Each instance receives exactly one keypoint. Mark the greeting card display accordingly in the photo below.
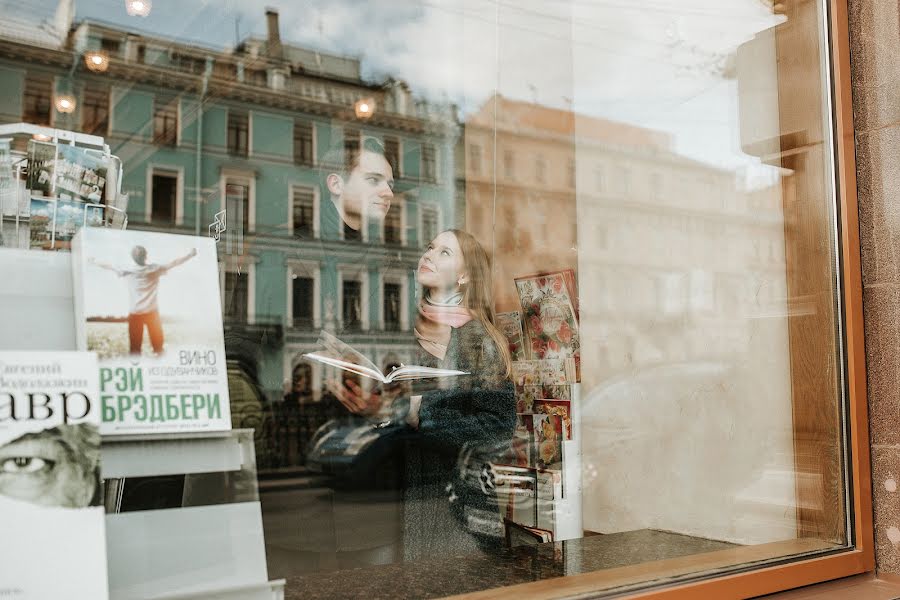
(549, 307)
(560, 408)
(548, 438)
(510, 323)
(80, 174)
(41, 163)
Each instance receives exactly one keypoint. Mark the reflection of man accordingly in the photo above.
(53, 467)
(143, 288)
(363, 185)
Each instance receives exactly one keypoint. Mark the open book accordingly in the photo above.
(338, 354)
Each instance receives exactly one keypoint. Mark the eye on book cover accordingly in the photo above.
(51, 512)
(148, 304)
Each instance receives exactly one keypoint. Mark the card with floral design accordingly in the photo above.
(510, 323)
(550, 317)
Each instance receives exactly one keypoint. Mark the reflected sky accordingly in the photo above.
(662, 64)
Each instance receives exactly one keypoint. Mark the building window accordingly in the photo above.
(352, 139)
(351, 309)
(429, 225)
(164, 198)
(238, 132)
(95, 111)
(302, 301)
(475, 159)
(392, 303)
(303, 202)
(540, 169)
(570, 173)
(625, 180)
(165, 122)
(303, 143)
(600, 178)
(656, 186)
(237, 296)
(429, 162)
(189, 64)
(509, 164)
(110, 46)
(36, 100)
(237, 207)
(392, 154)
(393, 226)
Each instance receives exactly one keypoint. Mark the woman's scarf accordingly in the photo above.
(449, 312)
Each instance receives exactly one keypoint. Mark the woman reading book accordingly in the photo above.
(455, 330)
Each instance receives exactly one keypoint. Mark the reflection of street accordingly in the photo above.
(310, 527)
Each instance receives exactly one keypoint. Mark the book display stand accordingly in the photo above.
(211, 547)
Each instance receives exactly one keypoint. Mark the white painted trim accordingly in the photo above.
(239, 177)
(178, 121)
(250, 269)
(154, 168)
(304, 267)
(399, 277)
(316, 207)
(353, 273)
(249, 133)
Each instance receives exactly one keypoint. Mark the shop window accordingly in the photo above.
(165, 121)
(303, 142)
(238, 132)
(37, 100)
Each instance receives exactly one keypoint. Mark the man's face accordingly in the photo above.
(369, 187)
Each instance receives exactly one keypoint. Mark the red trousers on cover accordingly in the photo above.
(136, 323)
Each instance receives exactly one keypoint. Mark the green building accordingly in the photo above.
(246, 131)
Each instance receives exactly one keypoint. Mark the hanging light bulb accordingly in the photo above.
(138, 8)
(41, 137)
(65, 103)
(364, 108)
(96, 60)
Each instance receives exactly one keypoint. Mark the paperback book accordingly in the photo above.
(51, 511)
(336, 353)
(549, 308)
(148, 304)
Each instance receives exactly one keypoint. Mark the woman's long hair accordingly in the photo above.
(478, 295)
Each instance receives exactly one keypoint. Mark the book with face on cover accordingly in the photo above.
(149, 305)
(336, 353)
(550, 314)
(51, 511)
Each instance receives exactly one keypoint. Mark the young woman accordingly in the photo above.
(445, 513)
(474, 413)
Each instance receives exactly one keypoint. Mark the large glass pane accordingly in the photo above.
(610, 224)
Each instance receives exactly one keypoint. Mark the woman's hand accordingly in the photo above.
(354, 398)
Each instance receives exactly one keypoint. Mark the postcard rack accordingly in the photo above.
(213, 548)
(16, 205)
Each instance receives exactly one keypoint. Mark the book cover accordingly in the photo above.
(550, 391)
(41, 222)
(542, 372)
(560, 408)
(51, 511)
(41, 162)
(80, 174)
(551, 320)
(510, 323)
(149, 305)
(521, 535)
(548, 438)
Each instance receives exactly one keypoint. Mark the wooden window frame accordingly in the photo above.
(736, 579)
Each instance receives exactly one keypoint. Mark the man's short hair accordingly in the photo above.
(341, 160)
(139, 254)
